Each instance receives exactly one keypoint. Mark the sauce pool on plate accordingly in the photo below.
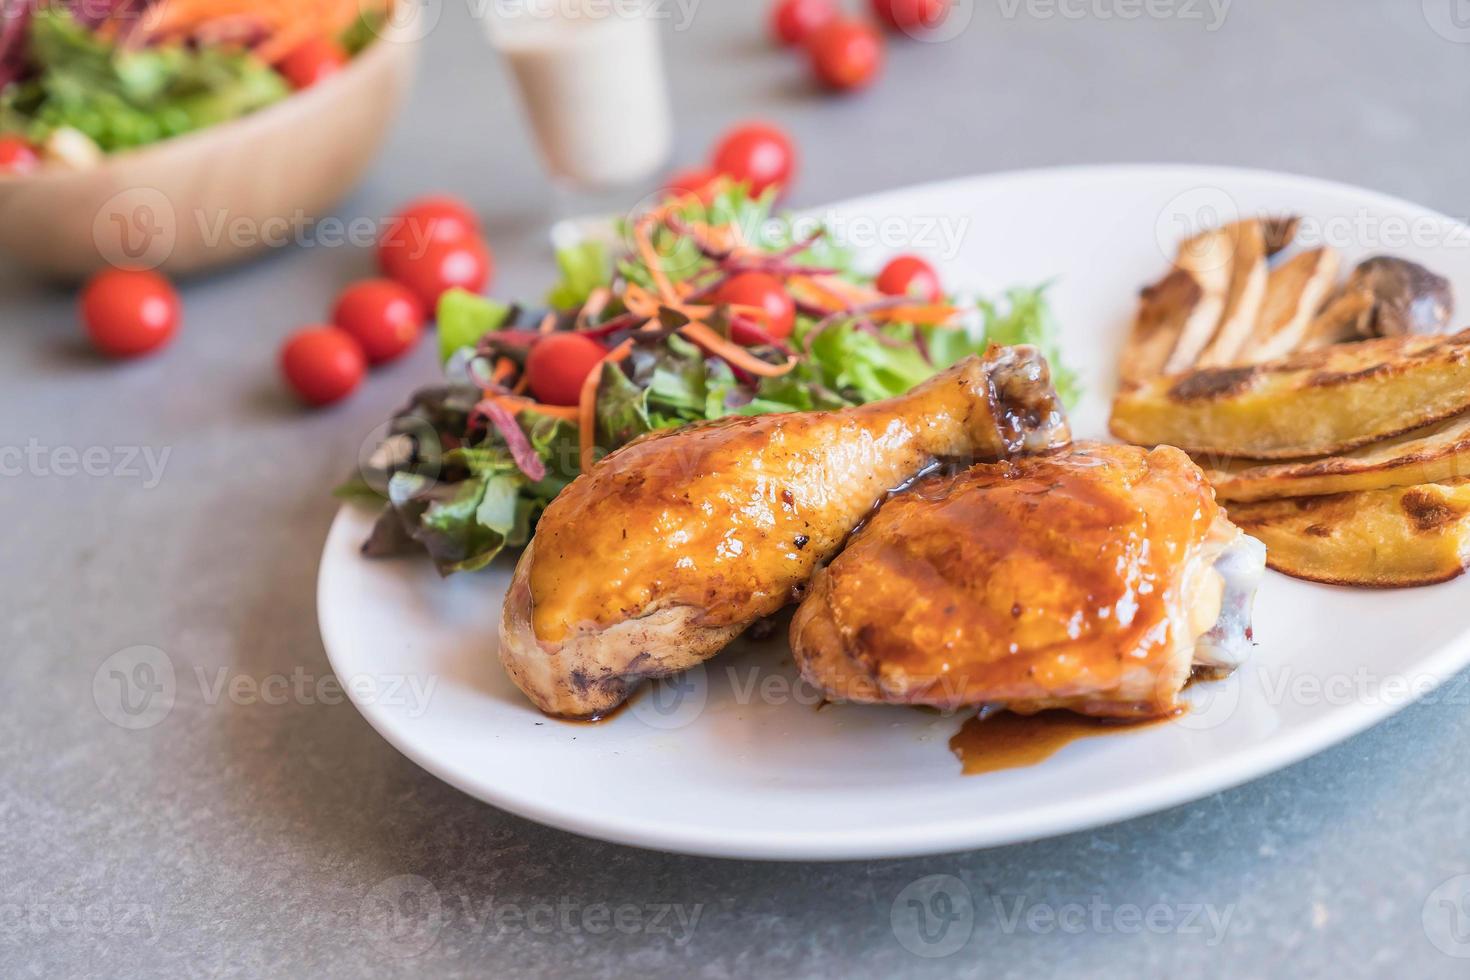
(992, 741)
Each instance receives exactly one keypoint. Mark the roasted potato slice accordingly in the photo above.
(1383, 539)
(1312, 403)
(1248, 277)
(1295, 291)
(1433, 454)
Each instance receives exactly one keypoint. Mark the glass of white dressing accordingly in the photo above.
(591, 78)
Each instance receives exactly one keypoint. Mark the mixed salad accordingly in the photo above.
(711, 307)
(79, 78)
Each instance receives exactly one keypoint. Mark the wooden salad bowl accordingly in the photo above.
(217, 196)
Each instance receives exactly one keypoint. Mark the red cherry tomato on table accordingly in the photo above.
(846, 54)
(419, 223)
(129, 312)
(764, 292)
(912, 16)
(463, 264)
(383, 316)
(792, 21)
(311, 61)
(909, 275)
(757, 154)
(322, 364)
(558, 365)
(17, 156)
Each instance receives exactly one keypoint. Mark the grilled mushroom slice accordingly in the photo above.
(1295, 291)
(1209, 258)
(1385, 297)
(1280, 231)
(1243, 302)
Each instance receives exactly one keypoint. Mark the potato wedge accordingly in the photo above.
(1432, 454)
(1248, 278)
(1312, 403)
(1403, 536)
(1209, 259)
(1295, 291)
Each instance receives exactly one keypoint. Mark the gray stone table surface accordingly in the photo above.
(239, 839)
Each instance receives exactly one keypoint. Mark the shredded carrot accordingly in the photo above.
(284, 25)
(936, 314)
(504, 368)
(844, 293)
(639, 301)
(737, 356)
(515, 405)
(806, 289)
(644, 243)
(587, 406)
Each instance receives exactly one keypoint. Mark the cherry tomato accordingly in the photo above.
(692, 181)
(792, 21)
(322, 364)
(465, 264)
(909, 275)
(311, 61)
(912, 16)
(757, 154)
(129, 312)
(383, 316)
(424, 221)
(846, 54)
(558, 365)
(17, 156)
(764, 292)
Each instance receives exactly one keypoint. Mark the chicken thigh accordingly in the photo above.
(666, 550)
(1096, 579)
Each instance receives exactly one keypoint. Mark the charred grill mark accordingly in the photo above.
(1428, 512)
(1332, 379)
(1214, 383)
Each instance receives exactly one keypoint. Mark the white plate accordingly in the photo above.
(741, 764)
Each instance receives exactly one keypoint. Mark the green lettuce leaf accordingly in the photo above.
(584, 267)
(464, 317)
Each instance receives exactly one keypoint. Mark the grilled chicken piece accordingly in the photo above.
(667, 549)
(1094, 579)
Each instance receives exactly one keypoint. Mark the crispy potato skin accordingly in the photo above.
(1382, 539)
(1434, 454)
(1309, 404)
